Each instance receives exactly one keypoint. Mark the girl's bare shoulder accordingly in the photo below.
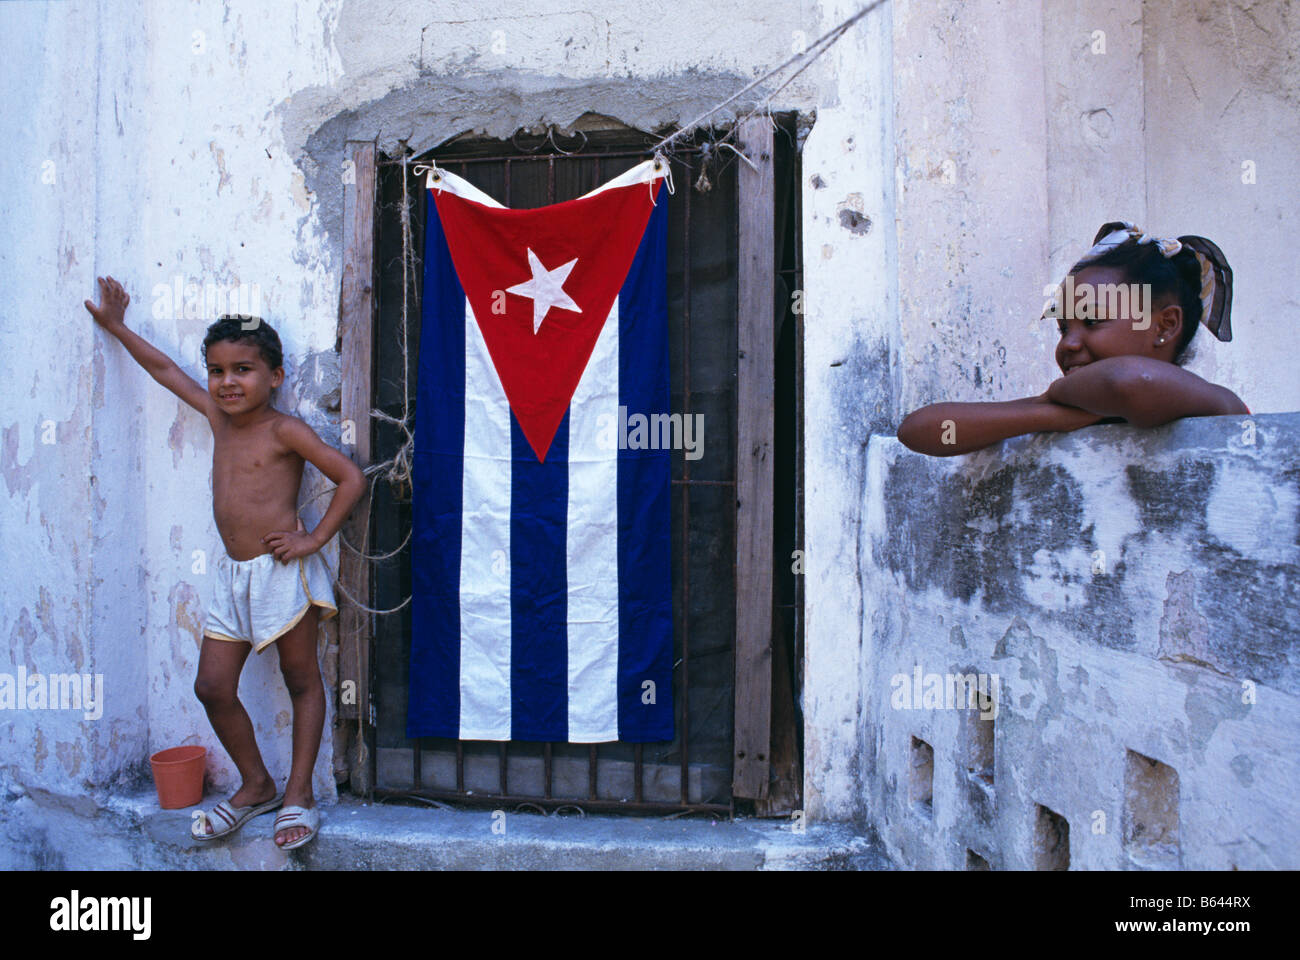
(1227, 401)
(1231, 402)
(1145, 391)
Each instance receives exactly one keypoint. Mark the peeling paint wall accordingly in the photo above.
(147, 149)
(1131, 597)
(59, 506)
(1222, 94)
(851, 380)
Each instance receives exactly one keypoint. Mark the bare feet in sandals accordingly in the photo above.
(296, 822)
(231, 814)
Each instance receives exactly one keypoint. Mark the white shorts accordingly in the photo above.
(258, 601)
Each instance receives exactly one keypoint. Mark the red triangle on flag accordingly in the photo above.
(541, 284)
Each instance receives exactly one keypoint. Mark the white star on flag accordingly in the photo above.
(545, 289)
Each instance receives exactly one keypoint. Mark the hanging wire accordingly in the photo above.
(819, 47)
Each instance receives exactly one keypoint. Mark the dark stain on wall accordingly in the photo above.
(855, 222)
(1172, 498)
(966, 541)
(1252, 609)
(978, 531)
(863, 389)
(1107, 618)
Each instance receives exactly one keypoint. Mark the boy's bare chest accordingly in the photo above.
(253, 462)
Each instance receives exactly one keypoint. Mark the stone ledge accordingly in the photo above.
(130, 832)
(1128, 597)
(1180, 543)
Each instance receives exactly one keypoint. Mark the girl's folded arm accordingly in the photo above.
(948, 429)
(1144, 391)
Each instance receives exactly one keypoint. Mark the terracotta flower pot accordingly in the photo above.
(178, 775)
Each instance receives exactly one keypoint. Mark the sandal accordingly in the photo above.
(226, 818)
(308, 817)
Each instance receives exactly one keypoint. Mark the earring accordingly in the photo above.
(1159, 340)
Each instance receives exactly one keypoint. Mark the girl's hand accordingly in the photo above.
(1064, 418)
(112, 306)
(289, 545)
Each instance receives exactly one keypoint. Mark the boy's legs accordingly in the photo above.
(301, 670)
(216, 686)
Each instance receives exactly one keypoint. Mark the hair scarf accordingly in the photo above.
(1216, 275)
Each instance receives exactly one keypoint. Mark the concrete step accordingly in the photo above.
(130, 832)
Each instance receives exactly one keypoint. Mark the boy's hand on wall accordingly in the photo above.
(112, 306)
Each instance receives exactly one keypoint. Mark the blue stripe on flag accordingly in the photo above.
(433, 708)
(539, 656)
(645, 614)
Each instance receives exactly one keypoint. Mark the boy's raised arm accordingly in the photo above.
(948, 429)
(110, 314)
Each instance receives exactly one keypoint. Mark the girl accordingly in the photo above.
(1127, 312)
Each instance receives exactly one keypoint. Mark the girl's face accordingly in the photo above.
(1112, 318)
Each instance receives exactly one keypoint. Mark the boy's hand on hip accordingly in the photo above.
(289, 545)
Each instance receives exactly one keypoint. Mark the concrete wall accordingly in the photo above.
(1131, 597)
(145, 149)
(60, 589)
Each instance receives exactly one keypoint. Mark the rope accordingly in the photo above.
(397, 469)
(824, 42)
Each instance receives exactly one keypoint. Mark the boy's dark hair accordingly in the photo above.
(1178, 277)
(239, 328)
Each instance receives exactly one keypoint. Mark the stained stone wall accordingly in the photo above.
(1126, 601)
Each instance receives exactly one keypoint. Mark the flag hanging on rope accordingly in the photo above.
(541, 577)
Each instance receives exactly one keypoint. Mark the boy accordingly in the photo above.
(268, 586)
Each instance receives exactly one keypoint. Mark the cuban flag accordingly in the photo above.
(541, 575)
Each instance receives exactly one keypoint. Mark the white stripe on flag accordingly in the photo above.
(484, 547)
(593, 545)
